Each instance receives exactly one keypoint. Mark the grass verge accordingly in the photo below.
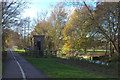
(57, 70)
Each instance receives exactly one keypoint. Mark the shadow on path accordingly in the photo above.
(13, 70)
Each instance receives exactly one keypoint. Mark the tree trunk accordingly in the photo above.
(85, 50)
(106, 48)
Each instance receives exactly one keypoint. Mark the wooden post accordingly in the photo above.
(46, 53)
(106, 48)
(55, 53)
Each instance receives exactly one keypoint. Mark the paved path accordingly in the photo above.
(17, 67)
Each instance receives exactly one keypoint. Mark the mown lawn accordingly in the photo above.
(57, 70)
(90, 50)
(19, 50)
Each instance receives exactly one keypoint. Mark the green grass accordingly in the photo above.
(96, 50)
(3, 65)
(57, 70)
(19, 50)
(5, 49)
(90, 50)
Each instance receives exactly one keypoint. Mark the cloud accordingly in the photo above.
(31, 12)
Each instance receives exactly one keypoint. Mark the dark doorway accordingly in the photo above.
(39, 45)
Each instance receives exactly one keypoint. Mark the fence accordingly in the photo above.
(40, 53)
(70, 54)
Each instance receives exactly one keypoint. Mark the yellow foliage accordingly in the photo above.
(65, 48)
(73, 30)
(6, 42)
(73, 33)
(65, 38)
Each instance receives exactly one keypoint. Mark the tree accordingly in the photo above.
(24, 31)
(12, 38)
(52, 27)
(43, 28)
(79, 30)
(11, 13)
(102, 13)
(106, 13)
(58, 19)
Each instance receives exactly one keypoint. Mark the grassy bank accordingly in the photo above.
(57, 70)
(3, 65)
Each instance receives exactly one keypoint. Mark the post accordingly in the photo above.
(31, 43)
(119, 29)
(28, 31)
(119, 37)
(46, 53)
(0, 40)
(24, 36)
(106, 48)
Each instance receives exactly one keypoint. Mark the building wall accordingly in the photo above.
(36, 39)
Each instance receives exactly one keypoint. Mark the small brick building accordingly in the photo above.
(38, 42)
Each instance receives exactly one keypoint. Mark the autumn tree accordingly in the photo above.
(105, 18)
(52, 27)
(58, 19)
(12, 38)
(79, 30)
(43, 28)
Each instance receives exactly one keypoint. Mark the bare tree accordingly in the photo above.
(115, 22)
(11, 13)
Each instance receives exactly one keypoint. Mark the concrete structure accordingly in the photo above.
(38, 45)
(38, 42)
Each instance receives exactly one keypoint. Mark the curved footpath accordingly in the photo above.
(16, 67)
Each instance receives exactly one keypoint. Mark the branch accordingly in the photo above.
(101, 30)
